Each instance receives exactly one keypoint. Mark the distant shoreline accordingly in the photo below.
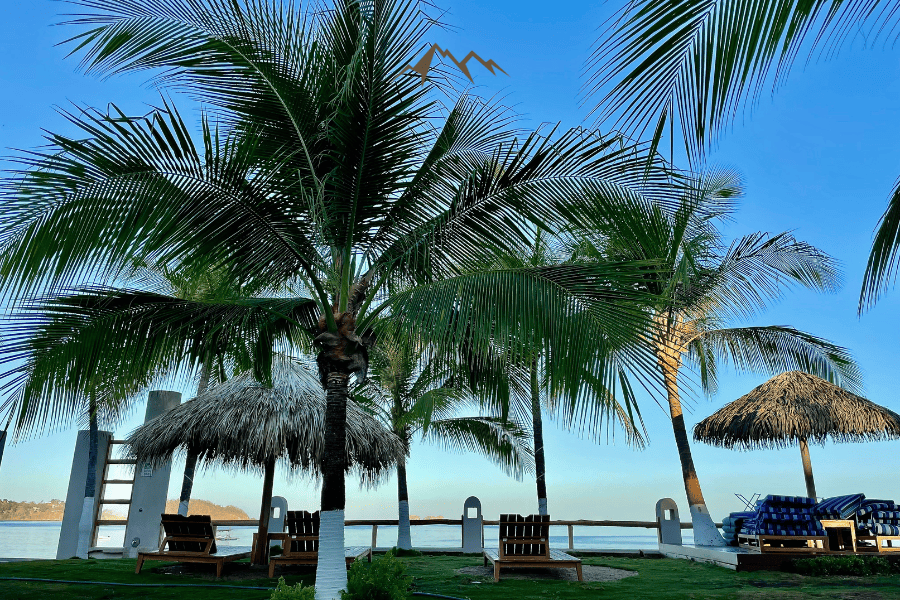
(30, 520)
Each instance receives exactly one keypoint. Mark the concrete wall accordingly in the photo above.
(148, 498)
(68, 533)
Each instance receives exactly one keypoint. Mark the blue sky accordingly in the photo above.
(819, 158)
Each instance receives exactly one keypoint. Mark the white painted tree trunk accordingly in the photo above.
(404, 539)
(542, 506)
(183, 507)
(705, 531)
(85, 527)
(331, 569)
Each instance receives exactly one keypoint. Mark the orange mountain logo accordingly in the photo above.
(424, 65)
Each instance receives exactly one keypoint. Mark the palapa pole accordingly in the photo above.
(807, 469)
(261, 555)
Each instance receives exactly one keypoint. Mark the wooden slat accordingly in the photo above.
(118, 481)
(101, 522)
(118, 442)
(115, 501)
(121, 461)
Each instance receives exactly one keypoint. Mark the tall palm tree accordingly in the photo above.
(332, 170)
(704, 286)
(586, 413)
(686, 69)
(419, 393)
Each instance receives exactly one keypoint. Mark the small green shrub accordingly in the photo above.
(861, 566)
(284, 591)
(276, 550)
(384, 579)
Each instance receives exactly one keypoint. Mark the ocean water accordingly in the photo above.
(31, 539)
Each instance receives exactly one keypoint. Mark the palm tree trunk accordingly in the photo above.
(705, 531)
(187, 482)
(86, 522)
(538, 427)
(331, 571)
(261, 556)
(190, 463)
(807, 469)
(404, 539)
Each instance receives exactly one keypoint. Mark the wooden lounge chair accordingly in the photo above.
(525, 542)
(301, 542)
(191, 539)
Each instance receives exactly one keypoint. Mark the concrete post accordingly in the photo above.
(68, 532)
(148, 497)
(472, 526)
(668, 522)
(277, 516)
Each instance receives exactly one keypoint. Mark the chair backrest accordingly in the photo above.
(525, 536)
(193, 526)
(304, 524)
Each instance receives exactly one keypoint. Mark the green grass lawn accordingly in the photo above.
(657, 579)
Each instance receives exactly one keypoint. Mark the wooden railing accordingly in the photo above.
(374, 523)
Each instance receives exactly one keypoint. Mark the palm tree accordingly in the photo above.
(419, 393)
(532, 395)
(704, 286)
(688, 68)
(330, 171)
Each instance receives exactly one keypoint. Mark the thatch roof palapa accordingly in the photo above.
(796, 406)
(245, 424)
(242, 423)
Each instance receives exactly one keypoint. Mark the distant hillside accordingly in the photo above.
(205, 507)
(53, 510)
(31, 511)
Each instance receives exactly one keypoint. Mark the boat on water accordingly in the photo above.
(224, 535)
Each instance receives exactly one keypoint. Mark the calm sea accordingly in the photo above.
(29, 539)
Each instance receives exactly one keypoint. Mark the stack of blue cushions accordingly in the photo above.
(731, 525)
(783, 515)
(878, 517)
(873, 517)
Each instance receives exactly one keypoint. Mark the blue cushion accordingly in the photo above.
(839, 507)
(870, 506)
(775, 500)
(771, 530)
(874, 528)
(885, 515)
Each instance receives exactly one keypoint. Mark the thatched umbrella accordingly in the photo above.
(245, 424)
(796, 407)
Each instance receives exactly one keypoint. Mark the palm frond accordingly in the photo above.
(113, 343)
(758, 268)
(687, 69)
(881, 270)
(138, 189)
(776, 349)
(503, 442)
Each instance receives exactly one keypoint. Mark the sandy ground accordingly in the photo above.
(590, 573)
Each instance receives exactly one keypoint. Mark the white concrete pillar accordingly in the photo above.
(68, 532)
(151, 484)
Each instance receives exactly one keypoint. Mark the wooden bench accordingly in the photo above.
(525, 543)
(877, 543)
(301, 542)
(191, 539)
